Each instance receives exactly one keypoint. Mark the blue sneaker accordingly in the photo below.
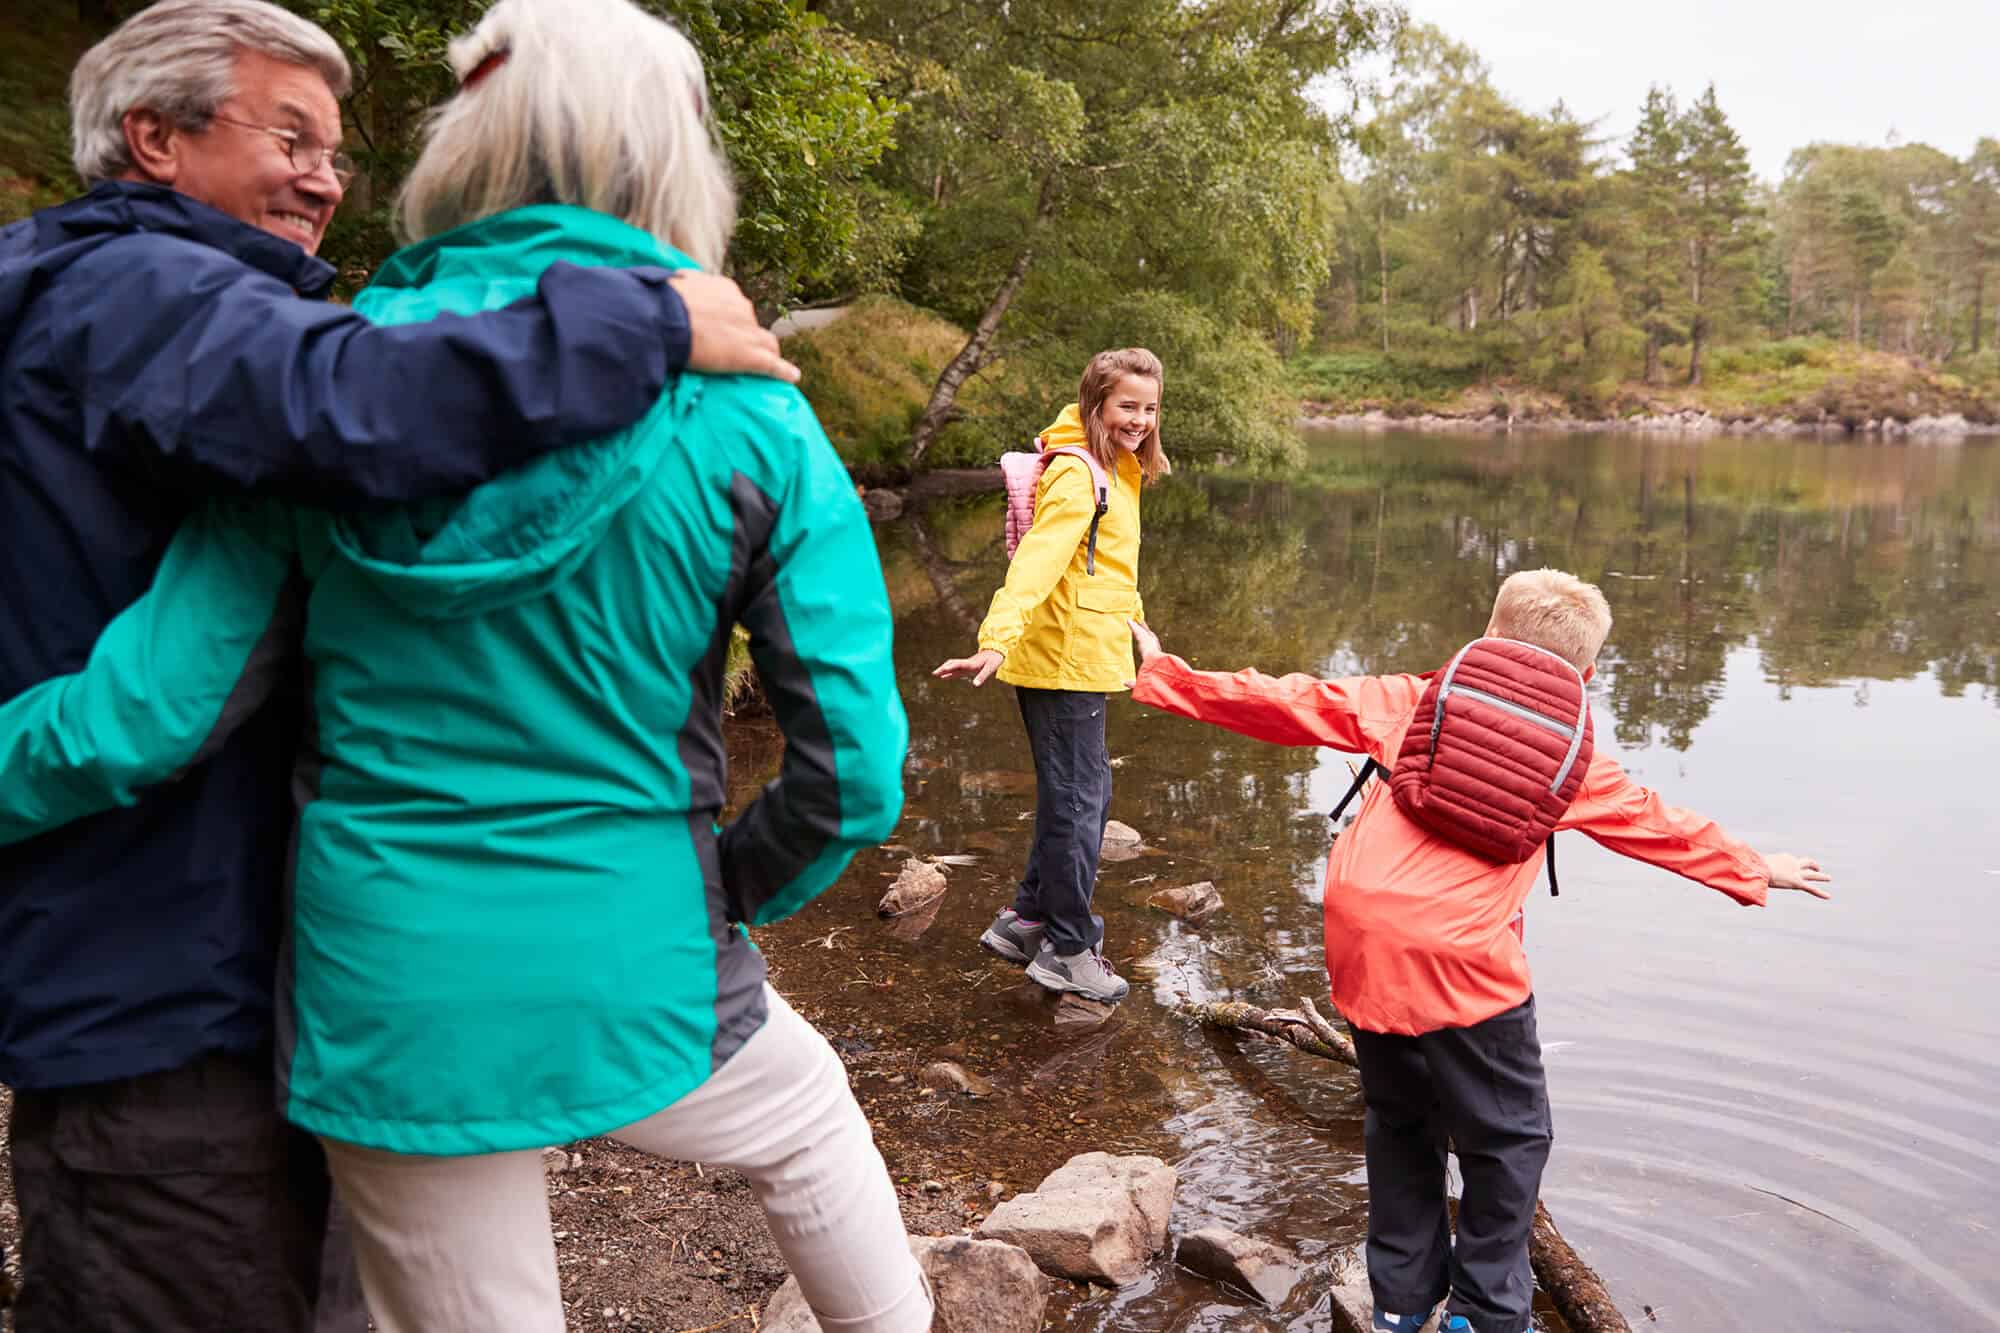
(1410, 1323)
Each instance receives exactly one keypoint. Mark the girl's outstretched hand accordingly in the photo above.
(1790, 871)
(980, 666)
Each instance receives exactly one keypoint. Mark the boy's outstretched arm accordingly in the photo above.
(1634, 821)
(1359, 714)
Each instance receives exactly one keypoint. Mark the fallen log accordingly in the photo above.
(1578, 1294)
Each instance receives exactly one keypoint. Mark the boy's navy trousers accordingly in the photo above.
(1481, 1089)
(1072, 803)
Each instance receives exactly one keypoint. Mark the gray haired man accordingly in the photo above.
(155, 351)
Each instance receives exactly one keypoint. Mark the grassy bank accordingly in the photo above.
(1802, 378)
(869, 374)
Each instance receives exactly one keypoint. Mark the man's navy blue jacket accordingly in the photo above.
(153, 352)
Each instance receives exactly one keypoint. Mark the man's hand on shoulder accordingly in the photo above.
(726, 338)
(1791, 871)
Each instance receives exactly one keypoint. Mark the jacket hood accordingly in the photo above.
(36, 249)
(520, 535)
(1066, 431)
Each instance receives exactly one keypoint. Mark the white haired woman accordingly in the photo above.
(516, 922)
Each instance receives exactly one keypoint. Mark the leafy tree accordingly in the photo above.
(796, 104)
(1132, 146)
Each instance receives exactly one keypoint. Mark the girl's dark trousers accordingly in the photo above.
(1482, 1089)
(1072, 803)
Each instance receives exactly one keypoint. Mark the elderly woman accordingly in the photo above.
(516, 922)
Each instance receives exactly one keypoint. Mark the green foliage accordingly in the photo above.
(1368, 377)
(1227, 397)
(796, 106)
(35, 62)
(1071, 162)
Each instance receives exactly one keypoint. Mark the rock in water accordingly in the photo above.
(996, 782)
(1190, 902)
(882, 506)
(982, 1286)
(1258, 1267)
(1073, 1013)
(1121, 842)
(919, 885)
(947, 1076)
(1096, 1218)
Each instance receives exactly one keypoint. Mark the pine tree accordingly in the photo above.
(1720, 235)
(1654, 189)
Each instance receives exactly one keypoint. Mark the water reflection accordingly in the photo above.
(1778, 1119)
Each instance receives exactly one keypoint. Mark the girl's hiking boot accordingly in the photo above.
(1085, 974)
(1013, 938)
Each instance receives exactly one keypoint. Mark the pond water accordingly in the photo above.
(1786, 1118)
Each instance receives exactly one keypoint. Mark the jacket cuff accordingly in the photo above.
(680, 333)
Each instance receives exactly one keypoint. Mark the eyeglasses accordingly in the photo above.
(304, 150)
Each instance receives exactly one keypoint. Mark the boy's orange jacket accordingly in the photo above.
(1420, 934)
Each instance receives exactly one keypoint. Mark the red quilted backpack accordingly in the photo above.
(1496, 752)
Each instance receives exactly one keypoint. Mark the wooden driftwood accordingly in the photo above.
(1579, 1295)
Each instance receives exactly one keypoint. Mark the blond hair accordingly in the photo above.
(178, 58)
(1100, 377)
(1553, 610)
(588, 102)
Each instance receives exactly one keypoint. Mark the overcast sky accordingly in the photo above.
(1787, 72)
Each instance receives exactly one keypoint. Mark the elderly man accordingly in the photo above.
(154, 349)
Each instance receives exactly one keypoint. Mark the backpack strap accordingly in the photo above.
(1100, 484)
(1368, 770)
(1554, 892)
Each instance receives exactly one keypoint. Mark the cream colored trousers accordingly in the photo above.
(462, 1244)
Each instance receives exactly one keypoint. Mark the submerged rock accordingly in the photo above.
(1264, 1270)
(1072, 1013)
(1190, 902)
(949, 1076)
(1096, 1218)
(996, 782)
(981, 1286)
(919, 885)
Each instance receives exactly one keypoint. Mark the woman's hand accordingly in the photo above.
(980, 666)
(1789, 871)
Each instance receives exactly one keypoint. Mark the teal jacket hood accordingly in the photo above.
(522, 534)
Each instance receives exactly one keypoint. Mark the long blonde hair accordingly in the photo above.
(1100, 377)
(589, 102)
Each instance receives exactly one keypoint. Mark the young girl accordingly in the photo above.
(1057, 632)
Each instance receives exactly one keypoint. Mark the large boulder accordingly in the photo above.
(981, 1286)
(1256, 1266)
(1096, 1218)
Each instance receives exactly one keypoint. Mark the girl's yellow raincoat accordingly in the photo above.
(1057, 626)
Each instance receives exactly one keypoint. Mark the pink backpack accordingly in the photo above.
(1022, 473)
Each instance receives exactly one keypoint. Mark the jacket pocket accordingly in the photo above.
(1111, 601)
(1099, 636)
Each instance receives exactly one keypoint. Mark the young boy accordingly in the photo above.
(1424, 951)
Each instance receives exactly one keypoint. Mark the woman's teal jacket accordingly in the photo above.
(515, 921)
